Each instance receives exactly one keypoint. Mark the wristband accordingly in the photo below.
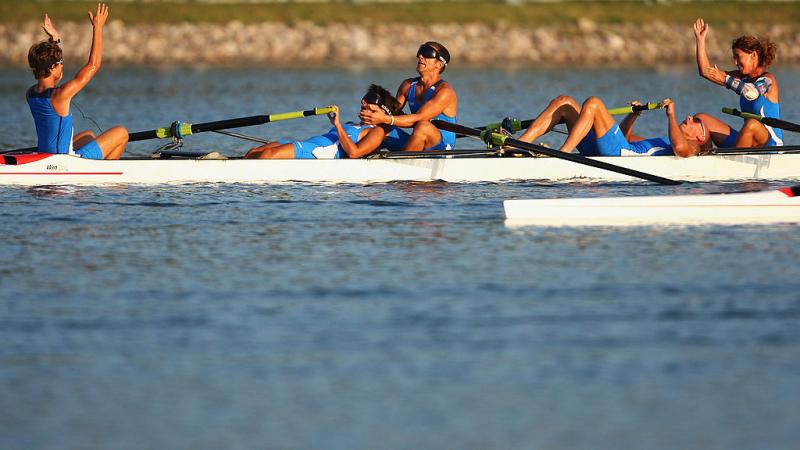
(392, 122)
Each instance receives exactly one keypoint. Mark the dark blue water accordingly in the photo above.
(397, 316)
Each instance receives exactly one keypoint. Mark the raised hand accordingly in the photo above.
(49, 28)
(333, 116)
(100, 17)
(669, 106)
(700, 29)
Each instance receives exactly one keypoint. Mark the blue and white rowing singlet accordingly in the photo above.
(327, 145)
(396, 139)
(764, 107)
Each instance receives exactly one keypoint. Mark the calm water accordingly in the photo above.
(396, 316)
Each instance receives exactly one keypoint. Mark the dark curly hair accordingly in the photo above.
(42, 56)
(765, 48)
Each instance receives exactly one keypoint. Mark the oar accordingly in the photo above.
(501, 139)
(179, 129)
(771, 121)
(633, 109)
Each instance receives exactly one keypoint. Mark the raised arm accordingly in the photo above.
(704, 67)
(50, 29)
(87, 72)
(680, 146)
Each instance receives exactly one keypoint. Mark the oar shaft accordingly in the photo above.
(186, 129)
(633, 108)
(771, 121)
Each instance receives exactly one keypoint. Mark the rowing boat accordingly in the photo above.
(457, 166)
(772, 206)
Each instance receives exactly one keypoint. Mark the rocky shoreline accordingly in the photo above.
(302, 43)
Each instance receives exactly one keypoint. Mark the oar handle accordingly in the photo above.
(179, 129)
(771, 121)
(633, 109)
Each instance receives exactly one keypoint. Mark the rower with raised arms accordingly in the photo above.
(428, 97)
(757, 89)
(50, 103)
(343, 141)
(593, 131)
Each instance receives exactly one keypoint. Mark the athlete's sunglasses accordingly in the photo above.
(426, 51)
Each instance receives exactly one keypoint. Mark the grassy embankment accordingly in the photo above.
(718, 13)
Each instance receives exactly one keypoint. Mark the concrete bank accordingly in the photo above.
(297, 44)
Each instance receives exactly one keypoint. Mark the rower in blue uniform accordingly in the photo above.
(428, 97)
(757, 88)
(347, 140)
(50, 103)
(593, 131)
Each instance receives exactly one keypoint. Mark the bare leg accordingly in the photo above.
(719, 130)
(560, 108)
(594, 116)
(425, 135)
(83, 138)
(112, 143)
(752, 134)
(255, 151)
(270, 151)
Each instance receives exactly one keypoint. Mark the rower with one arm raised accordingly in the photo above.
(757, 89)
(50, 103)
(428, 97)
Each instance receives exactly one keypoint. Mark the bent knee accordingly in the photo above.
(592, 102)
(563, 99)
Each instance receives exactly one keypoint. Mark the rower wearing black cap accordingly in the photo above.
(346, 140)
(428, 97)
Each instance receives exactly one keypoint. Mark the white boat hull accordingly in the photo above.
(65, 169)
(739, 208)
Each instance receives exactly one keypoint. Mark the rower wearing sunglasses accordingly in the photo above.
(428, 97)
(50, 103)
(346, 140)
(593, 131)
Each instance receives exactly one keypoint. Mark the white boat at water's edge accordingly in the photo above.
(65, 169)
(772, 206)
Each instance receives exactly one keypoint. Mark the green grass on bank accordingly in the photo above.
(15, 11)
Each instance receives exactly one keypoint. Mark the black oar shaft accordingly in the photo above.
(770, 121)
(456, 128)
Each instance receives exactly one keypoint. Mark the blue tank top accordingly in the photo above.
(658, 146)
(331, 138)
(447, 136)
(764, 107)
(54, 132)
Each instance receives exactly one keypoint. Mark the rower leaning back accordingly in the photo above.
(428, 97)
(50, 103)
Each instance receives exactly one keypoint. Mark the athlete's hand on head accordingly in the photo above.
(700, 29)
(373, 115)
(715, 74)
(49, 28)
(100, 16)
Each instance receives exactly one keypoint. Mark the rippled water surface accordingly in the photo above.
(397, 316)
